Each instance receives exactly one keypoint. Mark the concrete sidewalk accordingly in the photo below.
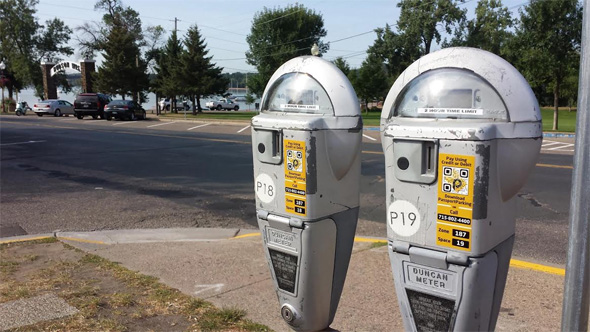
(231, 271)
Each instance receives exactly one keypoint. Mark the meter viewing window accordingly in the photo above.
(450, 93)
(298, 93)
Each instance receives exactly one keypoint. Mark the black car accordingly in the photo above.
(92, 104)
(124, 109)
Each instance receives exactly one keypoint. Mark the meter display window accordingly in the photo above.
(297, 93)
(450, 93)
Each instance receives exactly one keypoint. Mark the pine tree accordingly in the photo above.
(199, 75)
(168, 81)
(120, 74)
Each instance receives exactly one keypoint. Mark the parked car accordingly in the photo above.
(124, 109)
(53, 107)
(91, 104)
(225, 104)
(180, 104)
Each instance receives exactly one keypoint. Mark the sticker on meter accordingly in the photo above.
(265, 188)
(403, 218)
(295, 177)
(454, 208)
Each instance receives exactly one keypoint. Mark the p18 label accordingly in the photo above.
(265, 188)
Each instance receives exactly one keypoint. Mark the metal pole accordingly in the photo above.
(577, 277)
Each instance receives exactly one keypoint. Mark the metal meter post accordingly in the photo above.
(461, 129)
(306, 148)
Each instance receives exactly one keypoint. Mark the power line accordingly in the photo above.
(300, 49)
(280, 17)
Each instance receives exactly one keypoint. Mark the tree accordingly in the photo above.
(24, 43)
(546, 46)
(417, 30)
(122, 72)
(419, 20)
(278, 35)
(489, 30)
(249, 99)
(397, 51)
(94, 34)
(370, 81)
(342, 65)
(199, 75)
(168, 81)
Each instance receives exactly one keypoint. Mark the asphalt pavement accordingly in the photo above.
(81, 175)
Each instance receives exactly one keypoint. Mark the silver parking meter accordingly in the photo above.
(461, 129)
(306, 149)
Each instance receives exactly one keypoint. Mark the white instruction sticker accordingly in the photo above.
(450, 111)
(300, 107)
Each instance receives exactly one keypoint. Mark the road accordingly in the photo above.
(68, 174)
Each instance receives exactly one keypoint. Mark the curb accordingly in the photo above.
(139, 236)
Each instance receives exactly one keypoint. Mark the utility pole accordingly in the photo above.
(576, 302)
(175, 25)
(137, 66)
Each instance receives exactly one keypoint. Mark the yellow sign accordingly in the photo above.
(454, 210)
(295, 177)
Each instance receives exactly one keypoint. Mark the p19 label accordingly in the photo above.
(265, 188)
(403, 218)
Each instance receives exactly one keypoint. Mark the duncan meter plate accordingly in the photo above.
(306, 151)
(461, 130)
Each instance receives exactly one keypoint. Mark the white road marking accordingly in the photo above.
(28, 142)
(203, 125)
(204, 288)
(68, 119)
(556, 146)
(161, 124)
(124, 122)
(93, 121)
(369, 137)
(565, 145)
(241, 130)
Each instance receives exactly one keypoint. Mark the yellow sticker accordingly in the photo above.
(454, 210)
(295, 177)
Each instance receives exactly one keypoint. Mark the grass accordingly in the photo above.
(378, 244)
(566, 119)
(215, 115)
(81, 281)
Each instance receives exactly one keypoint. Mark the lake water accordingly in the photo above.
(28, 95)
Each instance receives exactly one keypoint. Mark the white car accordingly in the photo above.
(222, 104)
(53, 107)
(180, 104)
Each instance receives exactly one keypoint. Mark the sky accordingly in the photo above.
(226, 23)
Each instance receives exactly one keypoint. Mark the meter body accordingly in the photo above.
(306, 153)
(461, 129)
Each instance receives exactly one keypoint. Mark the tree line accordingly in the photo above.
(543, 43)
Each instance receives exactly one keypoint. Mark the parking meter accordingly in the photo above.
(306, 150)
(461, 129)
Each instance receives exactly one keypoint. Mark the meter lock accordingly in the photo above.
(415, 160)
